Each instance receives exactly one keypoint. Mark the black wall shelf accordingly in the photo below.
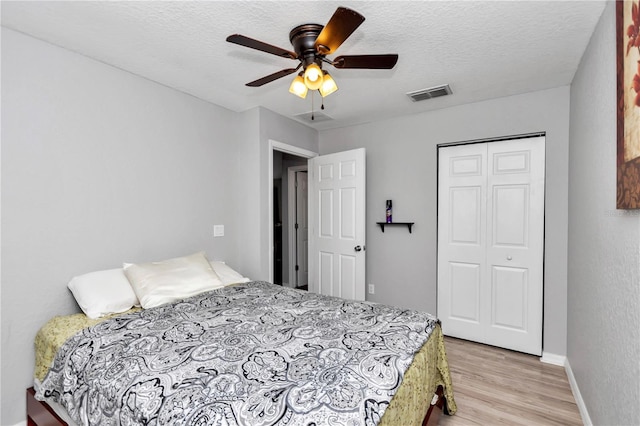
(407, 224)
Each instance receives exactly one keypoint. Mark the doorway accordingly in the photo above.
(282, 157)
(298, 226)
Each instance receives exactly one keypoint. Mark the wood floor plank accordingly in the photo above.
(494, 386)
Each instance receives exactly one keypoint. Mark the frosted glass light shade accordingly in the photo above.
(298, 87)
(328, 85)
(313, 76)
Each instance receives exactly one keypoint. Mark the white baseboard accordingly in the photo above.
(577, 396)
(24, 423)
(549, 358)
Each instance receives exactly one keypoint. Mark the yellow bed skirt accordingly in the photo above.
(428, 370)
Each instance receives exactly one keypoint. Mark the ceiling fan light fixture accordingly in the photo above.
(313, 76)
(298, 87)
(328, 85)
(311, 43)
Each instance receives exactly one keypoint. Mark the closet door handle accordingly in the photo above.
(509, 257)
(357, 248)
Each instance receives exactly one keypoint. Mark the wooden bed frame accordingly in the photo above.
(39, 413)
(435, 409)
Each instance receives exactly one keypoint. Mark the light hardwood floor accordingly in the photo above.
(495, 386)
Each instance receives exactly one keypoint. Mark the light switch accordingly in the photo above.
(218, 230)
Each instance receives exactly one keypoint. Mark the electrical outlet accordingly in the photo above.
(218, 230)
(372, 289)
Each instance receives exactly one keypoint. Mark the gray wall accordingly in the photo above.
(100, 166)
(604, 246)
(402, 166)
(280, 129)
(246, 205)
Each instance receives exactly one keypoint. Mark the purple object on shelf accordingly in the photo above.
(389, 217)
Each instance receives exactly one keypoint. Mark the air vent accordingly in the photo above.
(430, 93)
(318, 117)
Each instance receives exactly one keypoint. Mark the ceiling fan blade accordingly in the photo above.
(259, 45)
(343, 22)
(380, 62)
(271, 77)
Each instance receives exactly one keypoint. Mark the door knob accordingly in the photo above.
(509, 257)
(357, 248)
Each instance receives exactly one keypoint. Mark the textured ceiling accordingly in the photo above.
(482, 49)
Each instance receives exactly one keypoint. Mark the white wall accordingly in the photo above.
(402, 166)
(100, 166)
(604, 246)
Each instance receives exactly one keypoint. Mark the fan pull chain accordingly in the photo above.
(322, 106)
(312, 117)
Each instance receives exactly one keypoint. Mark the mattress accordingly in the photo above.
(399, 352)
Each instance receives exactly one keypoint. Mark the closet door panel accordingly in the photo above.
(491, 241)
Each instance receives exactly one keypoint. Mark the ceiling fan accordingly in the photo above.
(311, 45)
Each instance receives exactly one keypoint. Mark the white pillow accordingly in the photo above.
(227, 274)
(157, 283)
(103, 293)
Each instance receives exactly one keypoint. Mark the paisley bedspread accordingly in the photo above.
(249, 354)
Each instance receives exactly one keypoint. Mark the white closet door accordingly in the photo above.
(490, 242)
(462, 229)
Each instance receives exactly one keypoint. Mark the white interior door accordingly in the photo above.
(302, 230)
(337, 224)
(490, 242)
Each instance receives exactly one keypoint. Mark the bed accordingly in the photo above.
(252, 353)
